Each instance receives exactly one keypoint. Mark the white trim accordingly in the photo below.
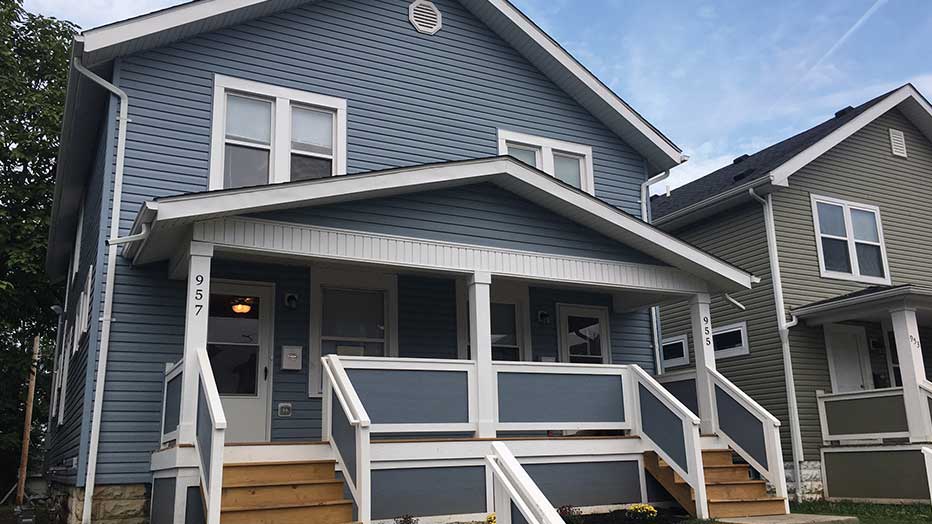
(744, 349)
(855, 274)
(517, 294)
(545, 149)
(76, 252)
(674, 362)
(877, 448)
(283, 100)
(823, 398)
(863, 355)
(425, 30)
(599, 312)
(322, 277)
(898, 143)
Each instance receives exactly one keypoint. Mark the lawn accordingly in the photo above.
(869, 513)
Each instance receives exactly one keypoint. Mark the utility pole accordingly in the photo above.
(27, 429)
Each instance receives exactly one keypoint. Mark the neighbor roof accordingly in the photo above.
(99, 46)
(775, 164)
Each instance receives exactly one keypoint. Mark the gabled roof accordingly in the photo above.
(775, 164)
(166, 218)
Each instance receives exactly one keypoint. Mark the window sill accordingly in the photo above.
(832, 275)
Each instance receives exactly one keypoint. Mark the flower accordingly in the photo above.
(490, 519)
(641, 512)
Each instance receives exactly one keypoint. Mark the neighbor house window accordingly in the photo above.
(568, 162)
(266, 134)
(675, 352)
(505, 343)
(731, 340)
(850, 241)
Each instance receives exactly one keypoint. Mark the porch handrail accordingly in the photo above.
(926, 386)
(773, 469)
(169, 431)
(676, 376)
(514, 485)
(824, 400)
(693, 473)
(357, 472)
(210, 433)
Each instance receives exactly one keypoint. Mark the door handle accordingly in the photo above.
(266, 372)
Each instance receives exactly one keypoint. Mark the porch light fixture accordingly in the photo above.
(241, 306)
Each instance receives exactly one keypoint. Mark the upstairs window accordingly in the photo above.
(731, 340)
(850, 241)
(265, 134)
(568, 162)
(675, 352)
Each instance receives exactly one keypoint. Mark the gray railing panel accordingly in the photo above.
(741, 425)
(172, 404)
(588, 483)
(394, 396)
(204, 428)
(458, 490)
(344, 436)
(684, 391)
(552, 397)
(866, 416)
(877, 474)
(663, 427)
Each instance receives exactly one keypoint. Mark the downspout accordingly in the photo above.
(654, 311)
(112, 243)
(784, 327)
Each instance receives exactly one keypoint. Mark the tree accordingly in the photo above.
(34, 58)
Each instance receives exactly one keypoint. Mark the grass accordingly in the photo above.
(869, 513)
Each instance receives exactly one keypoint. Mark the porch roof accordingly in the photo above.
(870, 303)
(164, 218)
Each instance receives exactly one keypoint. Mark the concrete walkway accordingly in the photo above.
(795, 518)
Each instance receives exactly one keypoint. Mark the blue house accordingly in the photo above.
(346, 260)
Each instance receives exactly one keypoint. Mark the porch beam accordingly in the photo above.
(480, 340)
(912, 371)
(701, 317)
(195, 334)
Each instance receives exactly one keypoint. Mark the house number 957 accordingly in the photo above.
(198, 294)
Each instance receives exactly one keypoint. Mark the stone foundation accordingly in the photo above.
(118, 504)
(812, 485)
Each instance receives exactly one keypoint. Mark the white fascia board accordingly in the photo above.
(780, 176)
(505, 172)
(163, 20)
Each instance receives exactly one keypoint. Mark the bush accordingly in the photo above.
(570, 514)
(406, 519)
(641, 512)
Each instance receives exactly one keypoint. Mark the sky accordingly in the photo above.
(719, 78)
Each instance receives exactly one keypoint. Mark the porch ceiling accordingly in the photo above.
(870, 304)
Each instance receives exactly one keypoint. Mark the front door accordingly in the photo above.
(239, 343)
(848, 358)
(583, 334)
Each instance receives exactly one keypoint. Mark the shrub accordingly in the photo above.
(641, 512)
(406, 519)
(491, 519)
(570, 514)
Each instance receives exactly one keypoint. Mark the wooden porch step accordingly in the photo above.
(330, 512)
(665, 475)
(281, 492)
(752, 507)
(742, 489)
(261, 473)
(717, 457)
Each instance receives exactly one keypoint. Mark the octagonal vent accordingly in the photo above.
(425, 17)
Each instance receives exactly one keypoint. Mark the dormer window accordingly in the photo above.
(264, 134)
(568, 162)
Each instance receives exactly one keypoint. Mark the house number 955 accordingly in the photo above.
(707, 330)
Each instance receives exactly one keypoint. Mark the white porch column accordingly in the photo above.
(195, 334)
(480, 340)
(909, 352)
(705, 360)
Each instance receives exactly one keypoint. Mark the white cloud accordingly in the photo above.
(93, 13)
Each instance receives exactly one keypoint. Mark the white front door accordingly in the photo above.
(848, 358)
(584, 335)
(239, 343)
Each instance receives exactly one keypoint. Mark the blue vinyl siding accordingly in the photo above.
(412, 99)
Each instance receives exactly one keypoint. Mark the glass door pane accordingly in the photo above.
(583, 332)
(233, 343)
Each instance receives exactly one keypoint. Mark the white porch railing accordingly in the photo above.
(346, 426)
(512, 484)
(210, 428)
(875, 414)
(750, 430)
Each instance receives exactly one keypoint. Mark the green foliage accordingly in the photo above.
(869, 513)
(34, 54)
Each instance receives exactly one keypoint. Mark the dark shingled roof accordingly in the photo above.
(754, 166)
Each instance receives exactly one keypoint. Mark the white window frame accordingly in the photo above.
(282, 99)
(744, 349)
(502, 292)
(323, 278)
(564, 310)
(76, 252)
(66, 366)
(855, 275)
(675, 362)
(546, 147)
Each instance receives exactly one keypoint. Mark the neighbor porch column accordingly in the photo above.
(909, 352)
(480, 340)
(705, 360)
(195, 333)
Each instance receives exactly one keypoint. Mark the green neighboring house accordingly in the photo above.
(837, 223)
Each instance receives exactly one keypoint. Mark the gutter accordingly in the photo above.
(891, 293)
(654, 311)
(783, 326)
(106, 320)
(740, 190)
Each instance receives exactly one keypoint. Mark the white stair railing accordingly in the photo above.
(209, 435)
(347, 427)
(512, 484)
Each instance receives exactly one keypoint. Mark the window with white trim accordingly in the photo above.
(850, 241)
(675, 351)
(584, 334)
(266, 134)
(566, 161)
(730, 340)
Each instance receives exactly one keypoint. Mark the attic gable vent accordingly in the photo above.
(425, 17)
(898, 142)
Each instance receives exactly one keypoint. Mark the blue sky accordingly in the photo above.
(720, 78)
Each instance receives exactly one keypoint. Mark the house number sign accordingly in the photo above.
(198, 294)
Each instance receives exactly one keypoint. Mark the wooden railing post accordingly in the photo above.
(195, 334)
